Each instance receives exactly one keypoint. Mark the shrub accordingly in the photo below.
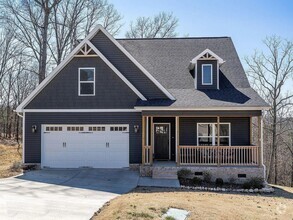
(207, 177)
(219, 182)
(183, 173)
(232, 180)
(246, 185)
(253, 183)
(197, 181)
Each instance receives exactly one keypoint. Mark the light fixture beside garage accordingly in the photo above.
(34, 128)
(136, 128)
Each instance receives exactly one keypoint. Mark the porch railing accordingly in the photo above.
(222, 155)
(147, 154)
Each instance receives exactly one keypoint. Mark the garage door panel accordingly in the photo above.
(98, 146)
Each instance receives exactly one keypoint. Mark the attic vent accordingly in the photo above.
(207, 56)
(86, 50)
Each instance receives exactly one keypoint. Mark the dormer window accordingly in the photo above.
(207, 74)
(206, 68)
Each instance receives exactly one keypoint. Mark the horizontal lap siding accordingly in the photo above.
(62, 91)
(240, 130)
(127, 67)
(33, 140)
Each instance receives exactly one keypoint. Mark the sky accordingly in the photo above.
(247, 22)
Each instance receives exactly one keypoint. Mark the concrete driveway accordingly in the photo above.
(62, 194)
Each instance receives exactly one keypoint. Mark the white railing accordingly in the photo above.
(222, 155)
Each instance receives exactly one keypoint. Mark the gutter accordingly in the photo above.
(18, 114)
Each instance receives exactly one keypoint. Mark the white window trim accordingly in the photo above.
(213, 132)
(93, 81)
(202, 66)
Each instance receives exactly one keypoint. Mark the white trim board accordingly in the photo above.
(92, 81)
(116, 71)
(220, 60)
(202, 78)
(81, 110)
(71, 56)
(162, 88)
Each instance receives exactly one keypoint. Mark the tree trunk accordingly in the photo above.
(43, 56)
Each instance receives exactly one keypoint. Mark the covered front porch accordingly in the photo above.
(193, 138)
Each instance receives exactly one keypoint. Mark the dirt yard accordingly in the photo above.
(152, 203)
(10, 159)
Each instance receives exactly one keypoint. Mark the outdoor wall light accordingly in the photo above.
(136, 128)
(34, 128)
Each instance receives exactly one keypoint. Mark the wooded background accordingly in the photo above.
(36, 35)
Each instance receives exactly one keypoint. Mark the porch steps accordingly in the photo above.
(164, 173)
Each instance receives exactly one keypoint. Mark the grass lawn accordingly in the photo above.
(10, 159)
(151, 203)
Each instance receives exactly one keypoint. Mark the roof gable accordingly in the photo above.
(82, 49)
(207, 54)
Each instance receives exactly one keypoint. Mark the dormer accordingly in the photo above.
(206, 70)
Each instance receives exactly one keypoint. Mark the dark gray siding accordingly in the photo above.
(127, 67)
(199, 75)
(33, 140)
(240, 130)
(62, 91)
(203, 113)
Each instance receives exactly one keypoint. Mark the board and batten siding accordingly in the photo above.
(62, 92)
(240, 130)
(33, 140)
(199, 74)
(127, 67)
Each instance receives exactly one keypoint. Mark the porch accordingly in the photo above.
(239, 142)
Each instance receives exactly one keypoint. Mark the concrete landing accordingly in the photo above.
(168, 183)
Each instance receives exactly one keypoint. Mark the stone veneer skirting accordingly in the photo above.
(225, 173)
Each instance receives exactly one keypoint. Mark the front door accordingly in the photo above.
(162, 141)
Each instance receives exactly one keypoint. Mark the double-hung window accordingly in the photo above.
(86, 81)
(207, 74)
(207, 134)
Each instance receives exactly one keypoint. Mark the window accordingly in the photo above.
(97, 128)
(75, 128)
(86, 82)
(53, 128)
(207, 134)
(207, 74)
(118, 128)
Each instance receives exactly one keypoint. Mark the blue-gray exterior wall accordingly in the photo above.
(199, 74)
(127, 67)
(240, 130)
(62, 91)
(33, 140)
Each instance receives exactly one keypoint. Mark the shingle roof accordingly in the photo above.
(168, 60)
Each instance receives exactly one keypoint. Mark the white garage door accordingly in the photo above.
(97, 146)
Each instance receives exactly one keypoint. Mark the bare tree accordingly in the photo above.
(162, 25)
(31, 21)
(270, 74)
(73, 19)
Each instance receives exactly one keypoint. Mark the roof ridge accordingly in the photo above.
(173, 38)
